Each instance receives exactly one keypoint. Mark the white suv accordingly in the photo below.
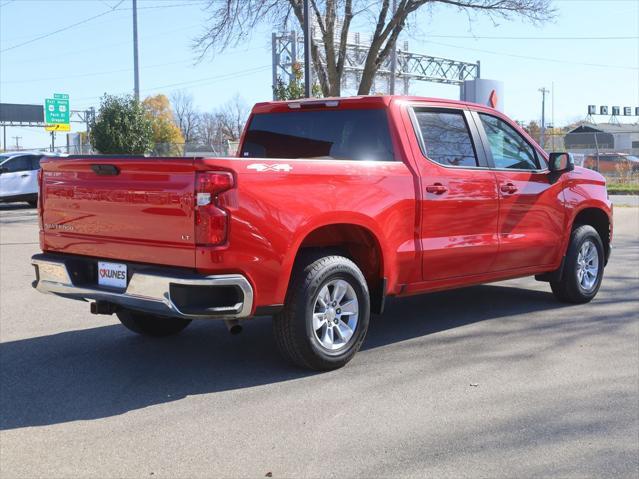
(19, 176)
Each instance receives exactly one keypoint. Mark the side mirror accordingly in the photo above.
(561, 162)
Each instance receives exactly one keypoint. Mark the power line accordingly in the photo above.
(103, 45)
(68, 27)
(476, 37)
(525, 57)
(86, 20)
(213, 79)
(85, 75)
(200, 81)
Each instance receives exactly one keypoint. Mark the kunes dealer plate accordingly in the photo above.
(112, 275)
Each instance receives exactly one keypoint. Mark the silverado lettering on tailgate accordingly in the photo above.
(121, 196)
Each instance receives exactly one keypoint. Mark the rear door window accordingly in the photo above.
(360, 135)
(20, 163)
(446, 138)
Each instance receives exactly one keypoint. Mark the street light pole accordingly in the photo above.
(307, 49)
(136, 70)
(543, 116)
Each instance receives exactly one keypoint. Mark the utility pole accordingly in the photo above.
(543, 116)
(17, 138)
(136, 70)
(552, 117)
(308, 81)
(393, 58)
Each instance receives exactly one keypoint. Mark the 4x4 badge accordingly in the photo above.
(264, 167)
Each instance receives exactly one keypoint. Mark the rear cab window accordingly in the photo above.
(344, 134)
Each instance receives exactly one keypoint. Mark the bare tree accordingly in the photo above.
(231, 21)
(232, 117)
(215, 130)
(186, 114)
(209, 131)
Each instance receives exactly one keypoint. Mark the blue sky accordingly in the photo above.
(96, 57)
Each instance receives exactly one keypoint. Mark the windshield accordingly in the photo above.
(325, 134)
(4, 158)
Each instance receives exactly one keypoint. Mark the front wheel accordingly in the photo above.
(583, 267)
(326, 315)
(150, 325)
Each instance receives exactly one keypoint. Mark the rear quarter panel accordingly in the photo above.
(273, 209)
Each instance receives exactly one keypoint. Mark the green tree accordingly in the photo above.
(121, 127)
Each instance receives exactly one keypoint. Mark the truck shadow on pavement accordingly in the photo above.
(107, 371)
(16, 206)
(17, 213)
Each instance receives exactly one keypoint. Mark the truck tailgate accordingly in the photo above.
(130, 209)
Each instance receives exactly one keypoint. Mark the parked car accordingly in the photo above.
(612, 163)
(19, 176)
(332, 206)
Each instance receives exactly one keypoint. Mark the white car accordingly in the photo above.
(19, 176)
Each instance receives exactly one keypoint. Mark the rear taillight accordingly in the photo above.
(211, 221)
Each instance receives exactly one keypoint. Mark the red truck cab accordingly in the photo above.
(331, 206)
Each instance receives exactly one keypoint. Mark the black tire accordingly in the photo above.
(150, 325)
(569, 289)
(293, 327)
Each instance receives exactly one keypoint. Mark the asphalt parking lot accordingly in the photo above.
(491, 381)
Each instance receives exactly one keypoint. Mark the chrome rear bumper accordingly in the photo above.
(148, 291)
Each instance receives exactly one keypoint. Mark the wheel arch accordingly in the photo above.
(600, 220)
(354, 240)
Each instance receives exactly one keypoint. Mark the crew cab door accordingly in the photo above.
(531, 209)
(459, 203)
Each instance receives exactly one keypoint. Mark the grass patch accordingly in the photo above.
(623, 188)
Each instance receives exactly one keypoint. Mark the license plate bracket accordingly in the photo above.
(112, 275)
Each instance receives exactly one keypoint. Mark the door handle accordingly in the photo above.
(508, 188)
(436, 188)
(24, 176)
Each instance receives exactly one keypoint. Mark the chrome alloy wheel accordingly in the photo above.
(335, 315)
(587, 265)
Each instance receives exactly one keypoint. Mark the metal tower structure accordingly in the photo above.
(286, 48)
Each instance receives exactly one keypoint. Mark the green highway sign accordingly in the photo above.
(56, 109)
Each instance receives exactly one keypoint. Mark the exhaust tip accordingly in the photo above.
(234, 326)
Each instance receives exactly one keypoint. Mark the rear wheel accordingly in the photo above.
(583, 267)
(150, 325)
(326, 315)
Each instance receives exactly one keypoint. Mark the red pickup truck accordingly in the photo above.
(331, 206)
